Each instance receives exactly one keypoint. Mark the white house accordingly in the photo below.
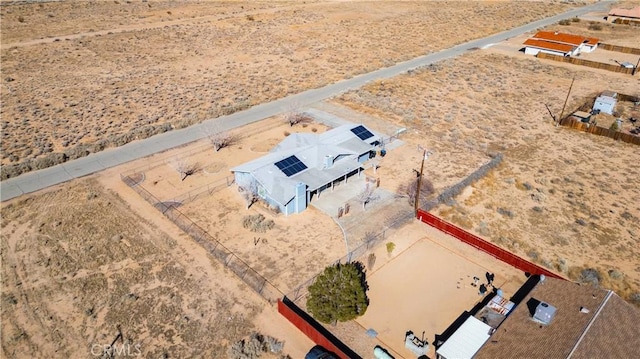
(305, 164)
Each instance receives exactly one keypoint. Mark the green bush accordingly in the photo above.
(390, 247)
(339, 293)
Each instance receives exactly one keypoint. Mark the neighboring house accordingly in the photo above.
(606, 102)
(558, 43)
(624, 14)
(555, 318)
(305, 164)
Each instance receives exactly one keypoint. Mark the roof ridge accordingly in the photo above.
(584, 332)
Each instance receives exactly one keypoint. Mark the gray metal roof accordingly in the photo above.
(606, 99)
(312, 149)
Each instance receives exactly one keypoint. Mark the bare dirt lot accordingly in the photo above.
(77, 263)
(295, 249)
(79, 260)
(564, 199)
(409, 291)
(123, 70)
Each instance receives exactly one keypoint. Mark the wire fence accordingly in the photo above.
(204, 191)
(370, 242)
(238, 135)
(225, 256)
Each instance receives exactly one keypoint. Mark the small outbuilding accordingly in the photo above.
(582, 116)
(606, 103)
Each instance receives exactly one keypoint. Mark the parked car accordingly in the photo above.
(319, 352)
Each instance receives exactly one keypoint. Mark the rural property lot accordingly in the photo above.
(295, 249)
(82, 259)
(410, 291)
(105, 89)
(77, 263)
(562, 198)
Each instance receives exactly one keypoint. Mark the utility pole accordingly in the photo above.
(417, 199)
(565, 101)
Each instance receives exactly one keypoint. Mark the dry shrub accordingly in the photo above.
(257, 223)
(255, 346)
(595, 26)
(410, 190)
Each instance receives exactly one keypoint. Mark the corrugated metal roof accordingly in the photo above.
(563, 38)
(466, 341)
(606, 100)
(547, 45)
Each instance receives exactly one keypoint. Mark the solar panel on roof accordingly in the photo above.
(362, 132)
(290, 166)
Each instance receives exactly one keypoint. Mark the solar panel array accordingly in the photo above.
(362, 132)
(290, 166)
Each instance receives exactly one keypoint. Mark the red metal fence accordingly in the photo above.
(483, 245)
(314, 330)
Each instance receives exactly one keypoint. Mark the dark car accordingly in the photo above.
(319, 352)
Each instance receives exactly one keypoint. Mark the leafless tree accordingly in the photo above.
(371, 261)
(249, 190)
(185, 167)
(219, 138)
(293, 115)
(411, 188)
(367, 195)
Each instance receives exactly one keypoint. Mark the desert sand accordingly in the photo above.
(561, 198)
(82, 258)
(124, 70)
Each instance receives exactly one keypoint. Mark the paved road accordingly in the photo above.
(37, 180)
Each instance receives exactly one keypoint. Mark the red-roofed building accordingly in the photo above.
(534, 46)
(558, 43)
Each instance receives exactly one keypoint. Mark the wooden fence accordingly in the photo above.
(314, 330)
(589, 63)
(618, 48)
(600, 131)
(620, 21)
